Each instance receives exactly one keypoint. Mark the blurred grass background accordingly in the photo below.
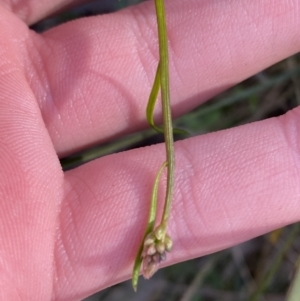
(260, 269)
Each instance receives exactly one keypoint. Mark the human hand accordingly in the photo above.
(67, 235)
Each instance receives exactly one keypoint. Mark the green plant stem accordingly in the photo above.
(276, 264)
(145, 255)
(150, 227)
(166, 108)
(294, 290)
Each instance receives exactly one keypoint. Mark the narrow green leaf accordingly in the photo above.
(294, 290)
(150, 227)
(276, 263)
(151, 105)
(152, 100)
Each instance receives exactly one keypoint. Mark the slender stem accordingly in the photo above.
(294, 290)
(150, 227)
(276, 263)
(166, 108)
(159, 240)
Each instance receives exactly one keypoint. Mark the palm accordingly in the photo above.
(66, 235)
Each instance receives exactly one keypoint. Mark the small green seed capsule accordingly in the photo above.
(160, 247)
(160, 231)
(149, 239)
(168, 243)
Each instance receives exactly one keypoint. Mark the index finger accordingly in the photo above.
(32, 11)
(230, 186)
(97, 72)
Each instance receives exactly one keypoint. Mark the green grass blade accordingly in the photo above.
(152, 100)
(151, 106)
(150, 228)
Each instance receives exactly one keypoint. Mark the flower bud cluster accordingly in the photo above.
(156, 244)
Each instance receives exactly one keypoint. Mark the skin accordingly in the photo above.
(67, 235)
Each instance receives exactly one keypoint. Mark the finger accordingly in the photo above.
(96, 73)
(31, 11)
(230, 186)
(30, 184)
